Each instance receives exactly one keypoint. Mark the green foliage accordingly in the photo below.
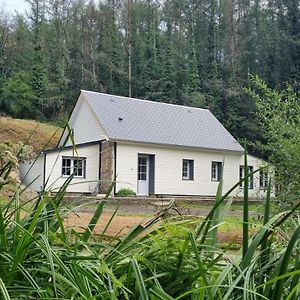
(184, 52)
(38, 74)
(42, 259)
(279, 115)
(17, 96)
(125, 193)
(10, 155)
(22, 53)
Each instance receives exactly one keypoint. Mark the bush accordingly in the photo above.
(125, 193)
(10, 155)
(279, 115)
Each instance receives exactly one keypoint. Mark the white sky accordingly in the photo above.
(10, 6)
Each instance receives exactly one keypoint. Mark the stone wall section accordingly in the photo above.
(107, 165)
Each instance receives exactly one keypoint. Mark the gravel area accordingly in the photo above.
(132, 214)
(151, 209)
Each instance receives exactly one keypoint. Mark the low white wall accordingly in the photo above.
(31, 173)
(168, 169)
(54, 177)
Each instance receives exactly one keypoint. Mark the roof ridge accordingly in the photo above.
(150, 101)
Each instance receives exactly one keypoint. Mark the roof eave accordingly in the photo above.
(180, 146)
(58, 149)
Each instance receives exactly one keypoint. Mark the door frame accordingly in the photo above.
(150, 173)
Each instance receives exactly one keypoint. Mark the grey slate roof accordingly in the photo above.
(146, 121)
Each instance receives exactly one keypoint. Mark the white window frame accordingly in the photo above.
(66, 167)
(186, 169)
(215, 170)
(250, 179)
(72, 166)
(263, 179)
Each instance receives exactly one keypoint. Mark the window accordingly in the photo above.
(78, 167)
(142, 168)
(73, 165)
(187, 169)
(263, 179)
(66, 166)
(242, 175)
(216, 170)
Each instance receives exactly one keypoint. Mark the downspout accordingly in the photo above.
(115, 168)
(100, 160)
(44, 172)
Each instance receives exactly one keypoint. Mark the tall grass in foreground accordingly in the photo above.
(169, 259)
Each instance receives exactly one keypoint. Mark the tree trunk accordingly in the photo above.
(129, 45)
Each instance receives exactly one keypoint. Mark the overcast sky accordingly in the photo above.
(11, 6)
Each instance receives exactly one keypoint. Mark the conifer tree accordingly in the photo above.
(37, 11)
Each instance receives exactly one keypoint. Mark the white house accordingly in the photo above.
(150, 147)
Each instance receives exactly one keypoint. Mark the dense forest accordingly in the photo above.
(191, 52)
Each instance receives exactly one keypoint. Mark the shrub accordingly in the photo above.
(279, 115)
(10, 155)
(125, 193)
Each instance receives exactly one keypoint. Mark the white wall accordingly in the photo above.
(32, 170)
(85, 124)
(256, 163)
(81, 185)
(168, 169)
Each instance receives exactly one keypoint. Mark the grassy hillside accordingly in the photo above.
(15, 130)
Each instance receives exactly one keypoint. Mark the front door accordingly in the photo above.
(143, 175)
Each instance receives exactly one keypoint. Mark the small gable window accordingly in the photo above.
(73, 165)
(242, 175)
(216, 170)
(187, 169)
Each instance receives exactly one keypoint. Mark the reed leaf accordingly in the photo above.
(215, 220)
(246, 204)
(141, 288)
(89, 230)
(278, 289)
(95, 218)
(205, 225)
(201, 267)
(159, 294)
(257, 240)
(296, 280)
(4, 290)
(266, 219)
(3, 230)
